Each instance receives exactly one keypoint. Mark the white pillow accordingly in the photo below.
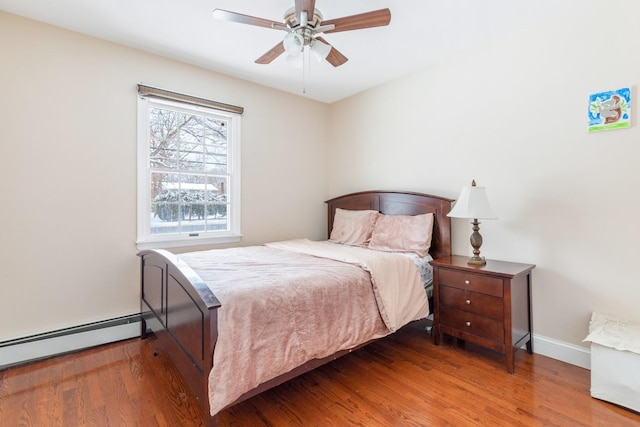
(353, 227)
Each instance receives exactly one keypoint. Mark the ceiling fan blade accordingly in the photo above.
(376, 18)
(226, 15)
(271, 54)
(334, 58)
(308, 6)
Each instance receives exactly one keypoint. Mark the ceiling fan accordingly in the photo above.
(304, 24)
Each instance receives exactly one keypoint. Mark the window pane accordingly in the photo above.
(191, 156)
(215, 131)
(164, 137)
(165, 203)
(215, 150)
(215, 158)
(218, 204)
(193, 194)
(191, 129)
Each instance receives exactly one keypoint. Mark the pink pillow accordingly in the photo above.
(403, 233)
(353, 227)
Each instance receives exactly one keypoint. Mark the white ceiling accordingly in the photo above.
(421, 33)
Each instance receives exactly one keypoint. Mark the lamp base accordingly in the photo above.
(476, 260)
(476, 242)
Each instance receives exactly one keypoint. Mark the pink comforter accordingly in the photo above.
(281, 308)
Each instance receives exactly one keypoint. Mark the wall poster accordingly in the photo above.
(610, 110)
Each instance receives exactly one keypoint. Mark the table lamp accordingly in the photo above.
(473, 204)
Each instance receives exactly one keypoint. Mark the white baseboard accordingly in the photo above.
(72, 339)
(565, 352)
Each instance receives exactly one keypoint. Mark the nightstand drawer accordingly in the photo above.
(471, 282)
(473, 302)
(474, 324)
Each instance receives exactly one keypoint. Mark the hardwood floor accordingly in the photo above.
(402, 380)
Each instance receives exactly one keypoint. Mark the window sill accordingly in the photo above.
(185, 243)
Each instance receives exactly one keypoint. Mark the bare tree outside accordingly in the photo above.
(189, 171)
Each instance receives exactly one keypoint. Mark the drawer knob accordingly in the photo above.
(466, 282)
(468, 323)
(468, 301)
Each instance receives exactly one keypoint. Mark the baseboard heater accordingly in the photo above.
(41, 346)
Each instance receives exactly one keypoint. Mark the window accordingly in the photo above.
(188, 171)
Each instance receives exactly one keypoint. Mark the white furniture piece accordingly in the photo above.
(615, 360)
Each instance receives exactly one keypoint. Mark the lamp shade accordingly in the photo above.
(472, 203)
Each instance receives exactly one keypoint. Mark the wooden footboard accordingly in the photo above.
(182, 312)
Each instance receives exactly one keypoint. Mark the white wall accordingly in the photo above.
(513, 116)
(68, 172)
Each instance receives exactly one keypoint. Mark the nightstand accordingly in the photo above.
(489, 305)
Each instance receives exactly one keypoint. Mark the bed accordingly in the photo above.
(193, 327)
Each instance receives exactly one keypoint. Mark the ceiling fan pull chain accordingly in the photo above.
(305, 64)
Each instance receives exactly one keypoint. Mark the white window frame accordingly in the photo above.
(146, 240)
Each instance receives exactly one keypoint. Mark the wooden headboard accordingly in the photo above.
(402, 203)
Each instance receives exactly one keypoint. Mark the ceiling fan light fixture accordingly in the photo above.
(320, 50)
(293, 43)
